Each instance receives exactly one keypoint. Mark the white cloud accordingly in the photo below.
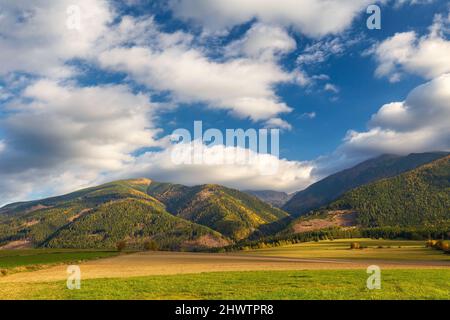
(263, 42)
(244, 86)
(322, 50)
(34, 37)
(427, 56)
(399, 3)
(278, 123)
(418, 124)
(312, 17)
(331, 88)
(308, 115)
(63, 132)
(290, 175)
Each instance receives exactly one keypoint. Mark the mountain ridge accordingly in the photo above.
(416, 198)
(333, 186)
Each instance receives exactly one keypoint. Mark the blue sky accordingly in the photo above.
(94, 101)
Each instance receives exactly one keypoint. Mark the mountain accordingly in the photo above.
(99, 217)
(330, 188)
(420, 197)
(177, 217)
(172, 216)
(417, 198)
(274, 198)
(233, 213)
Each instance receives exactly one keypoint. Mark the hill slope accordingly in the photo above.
(232, 213)
(274, 198)
(420, 197)
(417, 198)
(330, 188)
(99, 217)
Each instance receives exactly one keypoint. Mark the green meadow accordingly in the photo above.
(35, 258)
(371, 249)
(308, 284)
(415, 272)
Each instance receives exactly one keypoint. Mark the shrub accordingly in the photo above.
(355, 245)
(431, 243)
(121, 245)
(151, 246)
(439, 244)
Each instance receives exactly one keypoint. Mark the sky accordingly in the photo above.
(92, 90)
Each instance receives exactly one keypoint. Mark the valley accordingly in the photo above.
(143, 239)
(286, 272)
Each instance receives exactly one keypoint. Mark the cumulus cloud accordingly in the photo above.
(35, 37)
(427, 56)
(278, 123)
(244, 86)
(263, 42)
(312, 17)
(74, 133)
(289, 175)
(418, 124)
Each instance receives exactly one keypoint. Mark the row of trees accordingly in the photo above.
(439, 244)
(411, 233)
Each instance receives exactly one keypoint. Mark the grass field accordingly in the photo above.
(308, 284)
(34, 258)
(392, 250)
(322, 270)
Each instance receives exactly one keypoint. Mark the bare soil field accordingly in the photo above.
(171, 263)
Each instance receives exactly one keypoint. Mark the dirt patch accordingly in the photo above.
(207, 241)
(338, 218)
(30, 223)
(18, 244)
(79, 214)
(37, 207)
(141, 181)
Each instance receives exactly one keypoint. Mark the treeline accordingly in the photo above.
(439, 245)
(392, 233)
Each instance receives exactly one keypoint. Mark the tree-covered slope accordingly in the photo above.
(99, 217)
(232, 213)
(88, 197)
(136, 221)
(330, 188)
(420, 197)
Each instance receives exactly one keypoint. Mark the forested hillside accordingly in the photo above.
(420, 197)
(99, 217)
(330, 188)
(232, 213)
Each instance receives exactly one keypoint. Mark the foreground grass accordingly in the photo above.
(311, 284)
(33, 258)
(392, 250)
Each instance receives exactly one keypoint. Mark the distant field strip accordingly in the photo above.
(385, 250)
